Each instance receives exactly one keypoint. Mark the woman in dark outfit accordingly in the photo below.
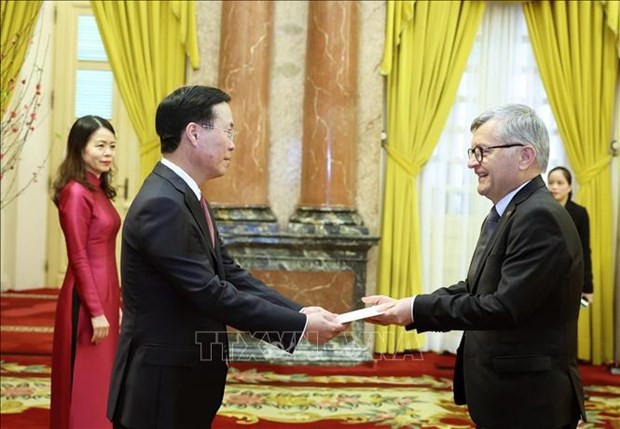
(559, 182)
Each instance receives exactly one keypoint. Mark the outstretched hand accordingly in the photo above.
(322, 325)
(396, 312)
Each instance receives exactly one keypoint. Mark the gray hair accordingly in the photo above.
(518, 124)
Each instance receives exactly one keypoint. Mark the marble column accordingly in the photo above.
(327, 201)
(239, 198)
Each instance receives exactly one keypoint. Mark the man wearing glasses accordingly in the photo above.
(518, 305)
(180, 286)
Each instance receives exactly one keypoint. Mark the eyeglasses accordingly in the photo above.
(479, 151)
(230, 133)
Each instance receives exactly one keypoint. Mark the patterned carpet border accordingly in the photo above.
(268, 396)
(255, 398)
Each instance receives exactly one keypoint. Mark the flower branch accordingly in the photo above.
(19, 120)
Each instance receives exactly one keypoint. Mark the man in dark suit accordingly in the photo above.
(180, 286)
(516, 365)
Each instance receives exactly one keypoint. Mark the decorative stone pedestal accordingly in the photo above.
(245, 220)
(329, 221)
(328, 270)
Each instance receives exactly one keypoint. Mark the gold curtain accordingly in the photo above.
(612, 15)
(18, 19)
(426, 51)
(576, 53)
(147, 44)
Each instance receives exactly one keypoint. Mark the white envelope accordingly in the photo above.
(363, 313)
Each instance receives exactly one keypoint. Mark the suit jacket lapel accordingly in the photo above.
(190, 201)
(522, 195)
(196, 209)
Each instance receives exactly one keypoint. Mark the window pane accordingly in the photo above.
(90, 46)
(93, 93)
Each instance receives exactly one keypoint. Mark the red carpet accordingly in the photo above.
(32, 418)
(26, 344)
(27, 319)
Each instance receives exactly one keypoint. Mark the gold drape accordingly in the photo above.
(18, 19)
(612, 16)
(426, 51)
(147, 45)
(576, 53)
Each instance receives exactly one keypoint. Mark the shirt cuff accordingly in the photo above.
(412, 301)
(305, 326)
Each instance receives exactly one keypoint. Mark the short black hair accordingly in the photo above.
(184, 105)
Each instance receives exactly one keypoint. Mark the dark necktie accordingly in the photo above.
(205, 209)
(203, 204)
(490, 223)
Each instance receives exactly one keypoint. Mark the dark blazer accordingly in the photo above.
(579, 214)
(516, 364)
(179, 293)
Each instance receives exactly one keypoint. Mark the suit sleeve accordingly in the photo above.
(75, 209)
(174, 243)
(526, 274)
(455, 289)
